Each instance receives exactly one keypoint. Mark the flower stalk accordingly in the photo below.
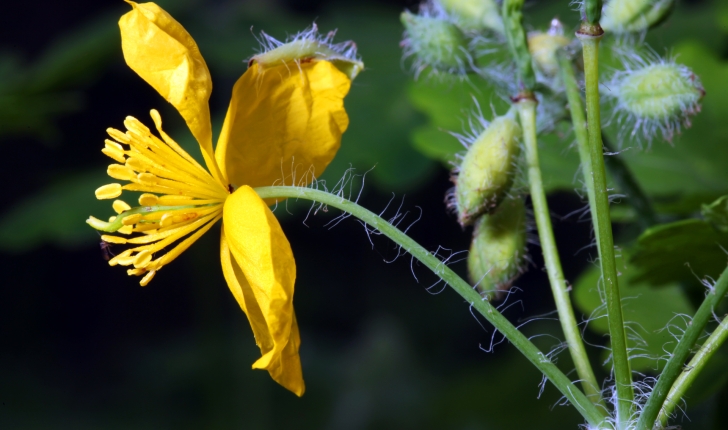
(592, 414)
(693, 369)
(527, 111)
(675, 365)
(590, 35)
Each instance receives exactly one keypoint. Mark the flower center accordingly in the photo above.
(180, 199)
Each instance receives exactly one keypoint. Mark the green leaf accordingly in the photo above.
(716, 213)
(678, 252)
(56, 214)
(647, 312)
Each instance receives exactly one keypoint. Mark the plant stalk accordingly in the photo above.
(693, 369)
(590, 37)
(593, 415)
(527, 113)
(674, 366)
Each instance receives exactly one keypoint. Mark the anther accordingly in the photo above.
(147, 278)
(148, 199)
(118, 135)
(113, 239)
(132, 219)
(147, 179)
(142, 259)
(120, 206)
(120, 172)
(109, 191)
(169, 219)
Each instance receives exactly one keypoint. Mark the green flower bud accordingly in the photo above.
(475, 15)
(487, 170)
(498, 250)
(657, 96)
(308, 45)
(433, 40)
(633, 16)
(544, 46)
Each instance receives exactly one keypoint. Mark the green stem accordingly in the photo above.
(625, 182)
(693, 369)
(674, 365)
(527, 112)
(591, 413)
(603, 227)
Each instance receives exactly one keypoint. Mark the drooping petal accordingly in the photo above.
(161, 51)
(284, 124)
(261, 275)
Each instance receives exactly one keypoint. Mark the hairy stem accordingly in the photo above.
(591, 413)
(674, 366)
(603, 227)
(527, 112)
(693, 369)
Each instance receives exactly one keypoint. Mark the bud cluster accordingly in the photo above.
(484, 197)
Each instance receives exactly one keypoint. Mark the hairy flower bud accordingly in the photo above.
(487, 170)
(475, 15)
(435, 41)
(634, 16)
(498, 250)
(543, 48)
(658, 95)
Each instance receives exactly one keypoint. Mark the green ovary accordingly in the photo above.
(658, 92)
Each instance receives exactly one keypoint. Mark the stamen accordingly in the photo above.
(120, 206)
(118, 135)
(120, 172)
(147, 278)
(170, 219)
(148, 200)
(142, 259)
(132, 219)
(114, 261)
(113, 239)
(127, 229)
(110, 191)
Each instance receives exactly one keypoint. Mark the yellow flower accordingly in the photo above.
(287, 115)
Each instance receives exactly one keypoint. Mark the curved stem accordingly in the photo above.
(693, 369)
(527, 112)
(603, 228)
(674, 365)
(591, 413)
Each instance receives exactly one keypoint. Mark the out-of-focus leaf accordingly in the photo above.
(647, 312)
(436, 144)
(716, 213)
(32, 96)
(75, 58)
(55, 214)
(678, 252)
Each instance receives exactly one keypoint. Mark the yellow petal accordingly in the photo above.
(283, 124)
(161, 51)
(261, 275)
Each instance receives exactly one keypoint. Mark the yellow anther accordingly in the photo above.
(135, 272)
(136, 164)
(112, 239)
(147, 278)
(126, 260)
(131, 219)
(169, 219)
(118, 135)
(97, 223)
(117, 155)
(142, 259)
(112, 218)
(110, 191)
(123, 257)
(127, 229)
(120, 172)
(146, 227)
(147, 178)
(120, 206)
(147, 199)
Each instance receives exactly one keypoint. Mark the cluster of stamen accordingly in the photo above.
(180, 198)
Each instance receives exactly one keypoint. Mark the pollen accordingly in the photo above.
(180, 199)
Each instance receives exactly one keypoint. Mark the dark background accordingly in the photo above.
(83, 346)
